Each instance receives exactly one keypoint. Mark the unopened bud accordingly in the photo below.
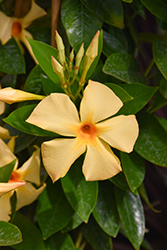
(7, 187)
(4, 133)
(58, 69)
(71, 59)
(79, 58)
(61, 50)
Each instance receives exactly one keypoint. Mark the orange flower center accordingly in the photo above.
(87, 131)
(14, 177)
(16, 28)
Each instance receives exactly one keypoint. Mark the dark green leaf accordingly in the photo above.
(33, 83)
(120, 181)
(138, 7)
(74, 222)
(32, 238)
(81, 194)
(160, 54)
(163, 87)
(110, 11)
(132, 216)
(134, 169)
(11, 59)
(49, 86)
(80, 24)
(151, 143)
(157, 102)
(124, 67)
(96, 237)
(6, 171)
(105, 211)
(60, 241)
(17, 120)
(8, 80)
(163, 122)
(9, 234)
(53, 210)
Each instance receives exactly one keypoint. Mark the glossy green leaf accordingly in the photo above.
(105, 211)
(132, 216)
(157, 8)
(6, 171)
(43, 53)
(17, 120)
(111, 44)
(53, 210)
(141, 96)
(110, 11)
(74, 222)
(8, 80)
(163, 122)
(81, 194)
(9, 234)
(11, 58)
(49, 86)
(124, 67)
(60, 241)
(160, 55)
(80, 24)
(23, 141)
(120, 181)
(134, 169)
(33, 83)
(163, 87)
(32, 238)
(157, 102)
(138, 7)
(151, 143)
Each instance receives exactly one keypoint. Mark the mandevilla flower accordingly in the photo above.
(30, 172)
(91, 132)
(16, 27)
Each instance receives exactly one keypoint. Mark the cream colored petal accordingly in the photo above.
(30, 171)
(35, 12)
(98, 103)
(7, 187)
(56, 113)
(58, 155)
(27, 194)
(100, 162)
(5, 207)
(10, 95)
(6, 156)
(2, 107)
(4, 133)
(120, 132)
(6, 27)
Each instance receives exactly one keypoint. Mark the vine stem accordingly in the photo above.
(55, 20)
(149, 67)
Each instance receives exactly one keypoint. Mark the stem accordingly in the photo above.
(78, 241)
(149, 67)
(55, 20)
(18, 8)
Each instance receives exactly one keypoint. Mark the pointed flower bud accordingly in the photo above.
(61, 50)
(71, 59)
(10, 95)
(58, 69)
(79, 58)
(7, 187)
(90, 55)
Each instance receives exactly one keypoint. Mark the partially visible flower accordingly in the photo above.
(16, 27)
(4, 133)
(91, 132)
(30, 172)
(10, 95)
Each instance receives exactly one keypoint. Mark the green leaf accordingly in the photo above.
(160, 55)
(134, 169)
(141, 96)
(157, 102)
(138, 7)
(151, 143)
(124, 67)
(80, 24)
(111, 44)
(9, 234)
(43, 53)
(60, 241)
(17, 120)
(96, 237)
(33, 83)
(74, 222)
(6, 171)
(105, 211)
(163, 122)
(53, 210)
(132, 216)
(49, 86)
(163, 87)
(32, 238)
(156, 7)
(120, 181)
(81, 194)
(110, 11)
(11, 58)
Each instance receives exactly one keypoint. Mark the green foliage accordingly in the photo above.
(9, 234)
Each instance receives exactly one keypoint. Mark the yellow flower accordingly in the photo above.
(91, 132)
(30, 172)
(16, 27)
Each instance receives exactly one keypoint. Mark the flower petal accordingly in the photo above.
(30, 170)
(27, 194)
(7, 187)
(120, 132)
(5, 207)
(100, 162)
(2, 107)
(6, 156)
(4, 133)
(6, 27)
(59, 154)
(98, 103)
(35, 12)
(56, 113)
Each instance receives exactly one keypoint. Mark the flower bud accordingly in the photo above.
(61, 50)
(79, 58)
(7, 187)
(71, 59)
(58, 69)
